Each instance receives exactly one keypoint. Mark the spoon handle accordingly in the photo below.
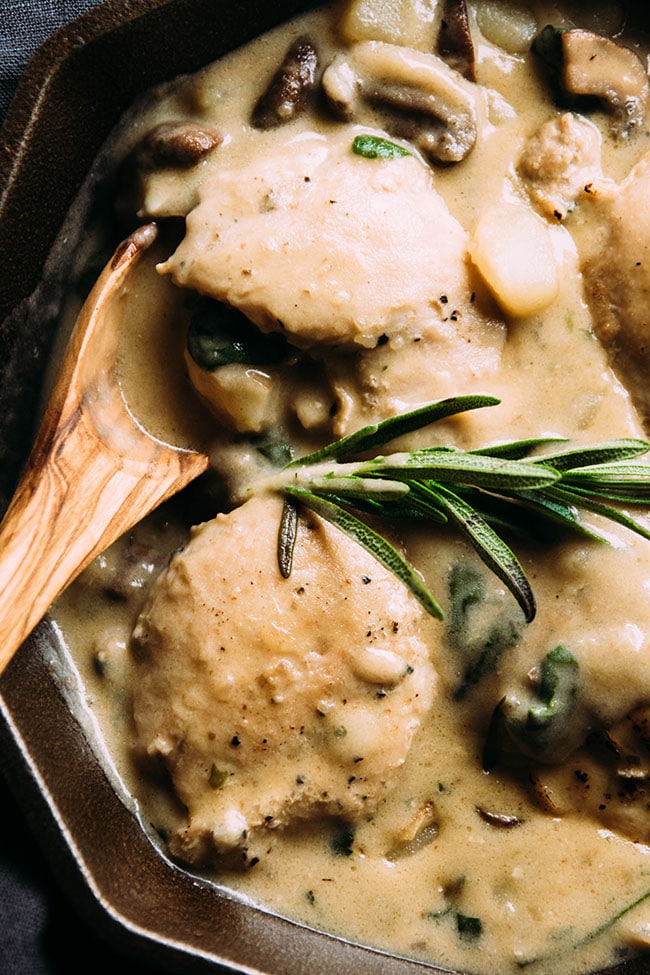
(93, 472)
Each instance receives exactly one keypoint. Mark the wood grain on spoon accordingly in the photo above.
(93, 473)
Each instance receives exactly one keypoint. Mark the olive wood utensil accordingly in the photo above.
(93, 472)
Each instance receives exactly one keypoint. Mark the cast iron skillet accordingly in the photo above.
(73, 92)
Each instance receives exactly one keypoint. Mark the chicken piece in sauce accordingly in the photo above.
(269, 699)
(328, 247)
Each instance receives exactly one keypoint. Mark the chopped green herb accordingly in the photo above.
(557, 681)
(543, 725)
(479, 629)
(100, 664)
(470, 929)
(437, 915)
(466, 589)
(342, 841)
(220, 335)
(374, 147)
(277, 452)
(548, 46)
(217, 777)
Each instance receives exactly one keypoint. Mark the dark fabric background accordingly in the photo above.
(24, 24)
(40, 932)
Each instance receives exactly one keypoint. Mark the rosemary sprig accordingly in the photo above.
(481, 493)
(380, 547)
(379, 434)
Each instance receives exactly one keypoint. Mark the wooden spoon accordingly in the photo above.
(93, 472)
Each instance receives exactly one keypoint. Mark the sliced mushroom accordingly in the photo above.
(289, 87)
(607, 780)
(455, 40)
(598, 66)
(165, 150)
(417, 95)
(588, 65)
(498, 820)
(418, 831)
(174, 145)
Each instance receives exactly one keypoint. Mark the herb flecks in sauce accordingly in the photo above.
(373, 147)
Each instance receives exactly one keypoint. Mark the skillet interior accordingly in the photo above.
(74, 91)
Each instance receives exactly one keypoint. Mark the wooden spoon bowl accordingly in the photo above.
(93, 472)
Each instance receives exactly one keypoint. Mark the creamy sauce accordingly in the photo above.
(527, 864)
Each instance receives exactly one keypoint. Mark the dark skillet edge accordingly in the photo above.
(70, 97)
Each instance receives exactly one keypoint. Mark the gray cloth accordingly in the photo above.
(24, 24)
(40, 931)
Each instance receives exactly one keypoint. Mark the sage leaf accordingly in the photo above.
(374, 147)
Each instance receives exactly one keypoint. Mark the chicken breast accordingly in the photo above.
(561, 169)
(617, 275)
(327, 246)
(272, 699)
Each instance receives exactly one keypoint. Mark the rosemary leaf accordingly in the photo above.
(628, 482)
(368, 488)
(378, 434)
(376, 544)
(427, 505)
(404, 509)
(559, 507)
(604, 510)
(631, 496)
(287, 537)
(608, 922)
(462, 467)
(498, 556)
(503, 515)
(516, 449)
(607, 452)
(499, 488)
(595, 933)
